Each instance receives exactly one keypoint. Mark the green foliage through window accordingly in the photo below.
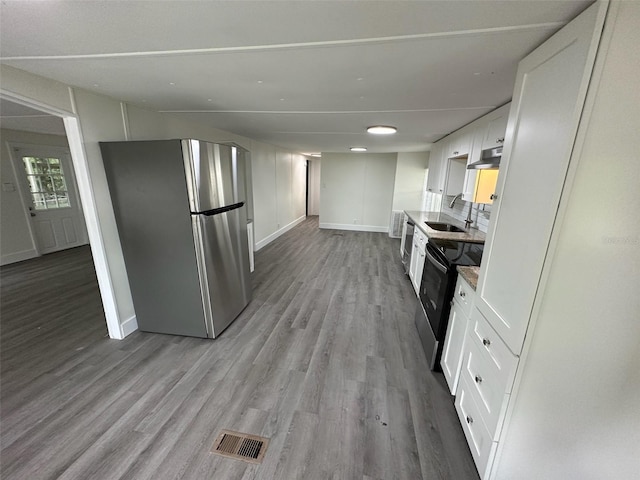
(47, 184)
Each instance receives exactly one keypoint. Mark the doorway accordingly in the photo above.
(22, 114)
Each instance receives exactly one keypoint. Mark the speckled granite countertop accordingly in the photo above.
(419, 218)
(470, 274)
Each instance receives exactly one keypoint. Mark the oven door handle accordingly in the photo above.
(435, 262)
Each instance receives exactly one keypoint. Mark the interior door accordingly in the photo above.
(49, 188)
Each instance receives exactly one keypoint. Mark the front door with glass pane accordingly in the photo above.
(50, 192)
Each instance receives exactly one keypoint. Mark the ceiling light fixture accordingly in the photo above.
(382, 129)
(358, 149)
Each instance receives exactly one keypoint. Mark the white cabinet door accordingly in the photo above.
(419, 270)
(460, 144)
(435, 180)
(496, 128)
(549, 94)
(454, 343)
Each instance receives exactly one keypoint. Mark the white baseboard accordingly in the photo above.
(128, 326)
(18, 256)
(265, 241)
(355, 228)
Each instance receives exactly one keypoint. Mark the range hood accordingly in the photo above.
(490, 159)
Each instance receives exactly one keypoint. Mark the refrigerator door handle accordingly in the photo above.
(216, 211)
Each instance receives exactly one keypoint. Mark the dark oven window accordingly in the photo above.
(434, 290)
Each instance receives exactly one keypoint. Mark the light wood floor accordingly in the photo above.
(325, 361)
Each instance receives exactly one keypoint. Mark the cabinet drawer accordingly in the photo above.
(494, 350)
(420, 239)
(464, 295)
(485, 385)
(478, 437)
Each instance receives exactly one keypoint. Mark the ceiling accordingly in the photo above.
(306, 75)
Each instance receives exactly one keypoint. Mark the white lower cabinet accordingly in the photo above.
(416, 265)
(479, 437)
(451, 360)
(486, 378)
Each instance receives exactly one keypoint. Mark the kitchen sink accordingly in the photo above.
(443, 227)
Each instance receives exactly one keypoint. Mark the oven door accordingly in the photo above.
(435, 290)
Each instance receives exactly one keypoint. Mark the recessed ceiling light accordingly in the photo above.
(172, 83)
(358, 149)
(259, 81)
(382, 130)
(209, 99)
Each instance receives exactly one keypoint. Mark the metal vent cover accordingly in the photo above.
(241, 446)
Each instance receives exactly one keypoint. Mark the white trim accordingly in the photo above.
(355, 228)
(94, 230)
(267, 240)
(129, 326)
(18, 256)
(125, 120)
(36, 105)
(551, 26)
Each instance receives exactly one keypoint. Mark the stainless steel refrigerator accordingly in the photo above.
(181, 216)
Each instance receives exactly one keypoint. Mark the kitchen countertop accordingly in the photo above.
(470, 274)
(419, 218)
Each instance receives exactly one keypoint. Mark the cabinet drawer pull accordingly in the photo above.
(493, 196)
(478, 379)
(462, 294)
(486, 342)
(499, 140)
(456, 152)
(469, 420)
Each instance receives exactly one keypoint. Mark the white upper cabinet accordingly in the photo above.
(496, 127)
(550, 88)
(492, 126)
(460, 144)
(435, 180)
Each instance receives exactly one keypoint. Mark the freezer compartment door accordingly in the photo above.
(223, 264)
(212, 175)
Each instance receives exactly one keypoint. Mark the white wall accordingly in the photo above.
(408, 190)
(16, 241)
(576, 411)
(357, 191)
(105, 119)
(279, 189)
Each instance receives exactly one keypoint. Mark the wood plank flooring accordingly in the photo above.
(325, 361)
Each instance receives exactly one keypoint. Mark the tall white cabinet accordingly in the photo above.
(545, 114)
(548, 98)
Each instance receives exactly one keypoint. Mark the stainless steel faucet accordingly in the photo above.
(468, 221)
(454, 200)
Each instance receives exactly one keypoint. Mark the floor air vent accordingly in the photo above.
(240, 446)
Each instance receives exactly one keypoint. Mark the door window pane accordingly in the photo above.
(47, 184)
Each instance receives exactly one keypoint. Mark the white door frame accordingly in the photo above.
(89, 208)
